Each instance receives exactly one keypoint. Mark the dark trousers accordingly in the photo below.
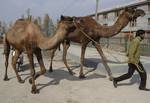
(132, 68)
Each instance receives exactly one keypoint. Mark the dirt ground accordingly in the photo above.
(60, 87)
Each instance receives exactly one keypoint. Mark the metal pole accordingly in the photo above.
(96, 16)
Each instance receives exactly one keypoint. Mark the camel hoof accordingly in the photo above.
(111, 78)
(18, 70)
(6, 79)
(21, 81)
(35, 91)
(82, 76)
(72, 73)
(30, 80)
(50, 70)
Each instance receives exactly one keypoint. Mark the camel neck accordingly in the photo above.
(121, 22)
(53, 41)
(109, 31)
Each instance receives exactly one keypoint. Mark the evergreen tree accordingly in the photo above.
(29, 16)
(48, 25)
(22, 16)
(36, 22)
(51, 27)
(39, 22)
(4, 27)
(0, 28)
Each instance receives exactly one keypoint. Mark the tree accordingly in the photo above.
(10, 24)
(36, 22)
(29, 16)
(4, 27)
(0, 28)
(48, 25)
(39, 20)
(51, 26)
(22, 16)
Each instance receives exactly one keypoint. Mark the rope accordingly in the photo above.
(95, 41)
(139, 68)
(107, 67)
(130, 29)
(85, 34)
(129, 39)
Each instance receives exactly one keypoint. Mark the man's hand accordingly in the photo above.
(132, 61)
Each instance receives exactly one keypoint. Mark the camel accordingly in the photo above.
(89, 30)
(26, 36)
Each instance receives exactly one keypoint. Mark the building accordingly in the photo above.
(109, 16)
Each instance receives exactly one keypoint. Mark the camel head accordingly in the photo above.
(138, 13)
(67, 22)
(133, 13)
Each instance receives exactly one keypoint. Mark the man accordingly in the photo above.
(19, 60)
(134, 62)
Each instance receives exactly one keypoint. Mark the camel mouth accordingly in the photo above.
(140, 12)
(142, 15)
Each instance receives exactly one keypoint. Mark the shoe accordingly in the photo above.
(144, 89)
(115, 83)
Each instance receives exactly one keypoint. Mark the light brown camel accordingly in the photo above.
(26, 36)
(88, 26)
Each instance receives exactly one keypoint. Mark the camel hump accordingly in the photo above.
(21, 20)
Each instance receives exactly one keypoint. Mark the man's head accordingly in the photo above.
(140, 33)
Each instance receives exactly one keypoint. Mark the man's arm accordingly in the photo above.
(133, 50)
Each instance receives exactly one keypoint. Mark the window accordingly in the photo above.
(133, 23)
(117, 13)
(96, 18)
(105, 16)
(148, 21)
(105, 24)
(149, 7)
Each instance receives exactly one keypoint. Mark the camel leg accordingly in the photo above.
(14, 62)
(51, 61)
(41, 63)
(66, 45)
(81, 74)
(30, 57)
(6, 53)
(104, 61)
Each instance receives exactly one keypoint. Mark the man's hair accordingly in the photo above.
(139, 32)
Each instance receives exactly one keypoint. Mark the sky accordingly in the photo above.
(11, 10)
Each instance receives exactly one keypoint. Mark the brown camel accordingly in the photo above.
(26, 36)
(88, 30)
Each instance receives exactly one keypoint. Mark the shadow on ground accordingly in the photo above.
(59, 74)
(135, 79)
(23, 68)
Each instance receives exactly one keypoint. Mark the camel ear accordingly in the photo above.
(61, 17)
(81, 21)
(126, 9)
(129, 8)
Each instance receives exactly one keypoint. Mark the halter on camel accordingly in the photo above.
(78, 26)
